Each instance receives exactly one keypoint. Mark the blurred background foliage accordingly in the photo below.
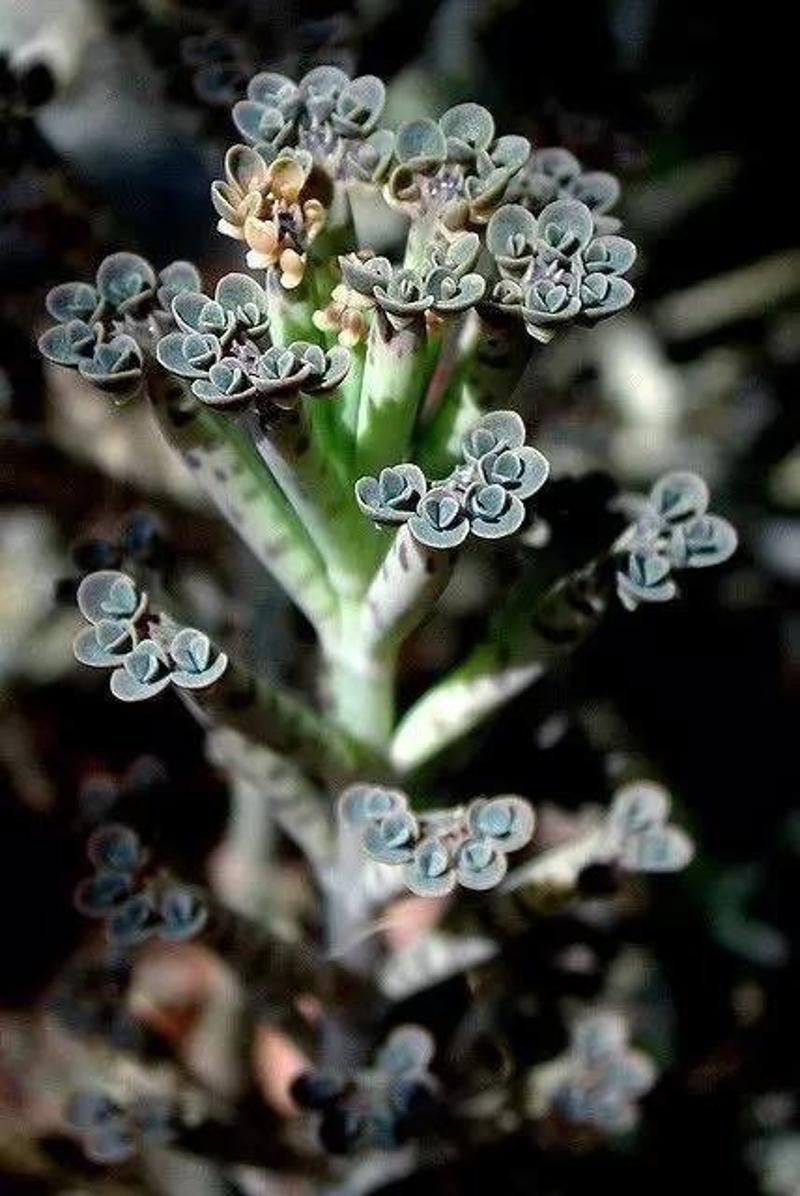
(113, 119)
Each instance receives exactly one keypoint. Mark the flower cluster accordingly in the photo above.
(446, 286)
(113, 1131)
(135, 905)
(276, 208)
(554, 173)
(637, 835)
(554, 268)
(378, 1108)
(93, 333)
(673, 531)
(454, 168)
(332, 117)
(437, 851)
(221, 347)
(485, 495)
(114, 608)
(602, 1077)
(346, 315)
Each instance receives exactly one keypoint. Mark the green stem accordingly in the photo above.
(404, 590)
(229, 470)
(290, 311)
(395, 377)
(348, 405)
(346, 542)
(526, 639)
(279, 721)
(493, 358)
(359, 683)
(298, 807)
(421, 234)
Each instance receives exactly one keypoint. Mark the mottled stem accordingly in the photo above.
(227, 467)
(525, 640)
(492, 357)
(404, 590)
(346, 543)
(298, 807)
(279, 721)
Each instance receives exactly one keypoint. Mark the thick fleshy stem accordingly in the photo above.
(359, 686)
(279, 721)
(299, 808)
(492, 359)
(345, 414)
(328, 512)
(404, 590)
(525, 641)
(395, 378)
(227, 467)
(559, 868)
(290, 311)
(422, 233)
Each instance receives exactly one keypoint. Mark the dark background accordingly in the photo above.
(706, 690)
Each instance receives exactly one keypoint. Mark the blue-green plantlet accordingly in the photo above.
(601, 1078)
(466, 846)
(672, 532)
(112, 1130)
(135, 903)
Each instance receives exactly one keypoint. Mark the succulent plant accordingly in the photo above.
(638, 836)
(271, 208)
(290, 397)
(554, 269)
(331, 116)
(554, 173)
(112, 1131)
(444, 288)
(95, 328)
(142, 667)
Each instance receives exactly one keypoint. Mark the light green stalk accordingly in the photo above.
(299, 808)
(228, 468)
(526, 639)
(290, 311)
(279, 721)
(491, 361)
(346, 542)
(403, 591)
(395, 378)
(359, 683)
(422, 233)
(346, 413)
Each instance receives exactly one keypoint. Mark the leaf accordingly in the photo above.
(106, 594)
(182, 912)
(479, 864)
(430, 873)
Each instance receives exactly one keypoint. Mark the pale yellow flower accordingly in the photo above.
(346, 315)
